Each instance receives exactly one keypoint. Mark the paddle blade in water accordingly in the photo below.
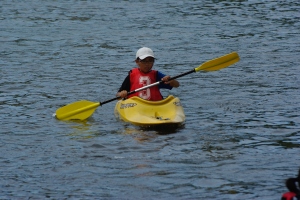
(79, 110)
(219, 63)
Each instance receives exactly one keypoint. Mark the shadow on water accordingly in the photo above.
(288, 144)
(164, 129)
(148, 133)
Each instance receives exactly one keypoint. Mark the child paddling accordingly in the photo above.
(144, 75)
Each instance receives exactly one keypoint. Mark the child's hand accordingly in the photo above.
(172, 83)
(166, 79)
(122, 94)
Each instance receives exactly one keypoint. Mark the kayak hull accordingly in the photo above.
(140, 112)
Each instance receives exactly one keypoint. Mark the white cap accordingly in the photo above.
(144, 52)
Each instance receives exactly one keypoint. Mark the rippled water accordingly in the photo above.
(241, 138)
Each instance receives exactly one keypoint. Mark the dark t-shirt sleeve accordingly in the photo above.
(162, 85)
(125, 85)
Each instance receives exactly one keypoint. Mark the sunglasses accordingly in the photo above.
(147, 61)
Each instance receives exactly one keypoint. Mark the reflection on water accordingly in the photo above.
(144, 133)
(139, 135)
(83, 130)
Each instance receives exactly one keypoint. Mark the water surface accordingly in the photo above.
(241, 137)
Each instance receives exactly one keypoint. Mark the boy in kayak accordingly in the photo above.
(143, 75)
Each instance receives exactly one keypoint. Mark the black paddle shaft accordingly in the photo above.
(186, 73)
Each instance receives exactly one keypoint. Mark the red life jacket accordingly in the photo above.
(288, 196)
(139, 79)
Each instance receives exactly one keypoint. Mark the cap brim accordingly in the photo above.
(145, 56)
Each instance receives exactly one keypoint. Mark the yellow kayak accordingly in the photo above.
(141, 112)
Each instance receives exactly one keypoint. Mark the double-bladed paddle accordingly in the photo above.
(83, 109)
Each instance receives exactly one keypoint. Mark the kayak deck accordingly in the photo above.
(149, 113)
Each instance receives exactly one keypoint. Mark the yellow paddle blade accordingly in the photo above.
(219, 63)
(78, 110)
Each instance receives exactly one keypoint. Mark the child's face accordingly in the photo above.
(146, 64)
